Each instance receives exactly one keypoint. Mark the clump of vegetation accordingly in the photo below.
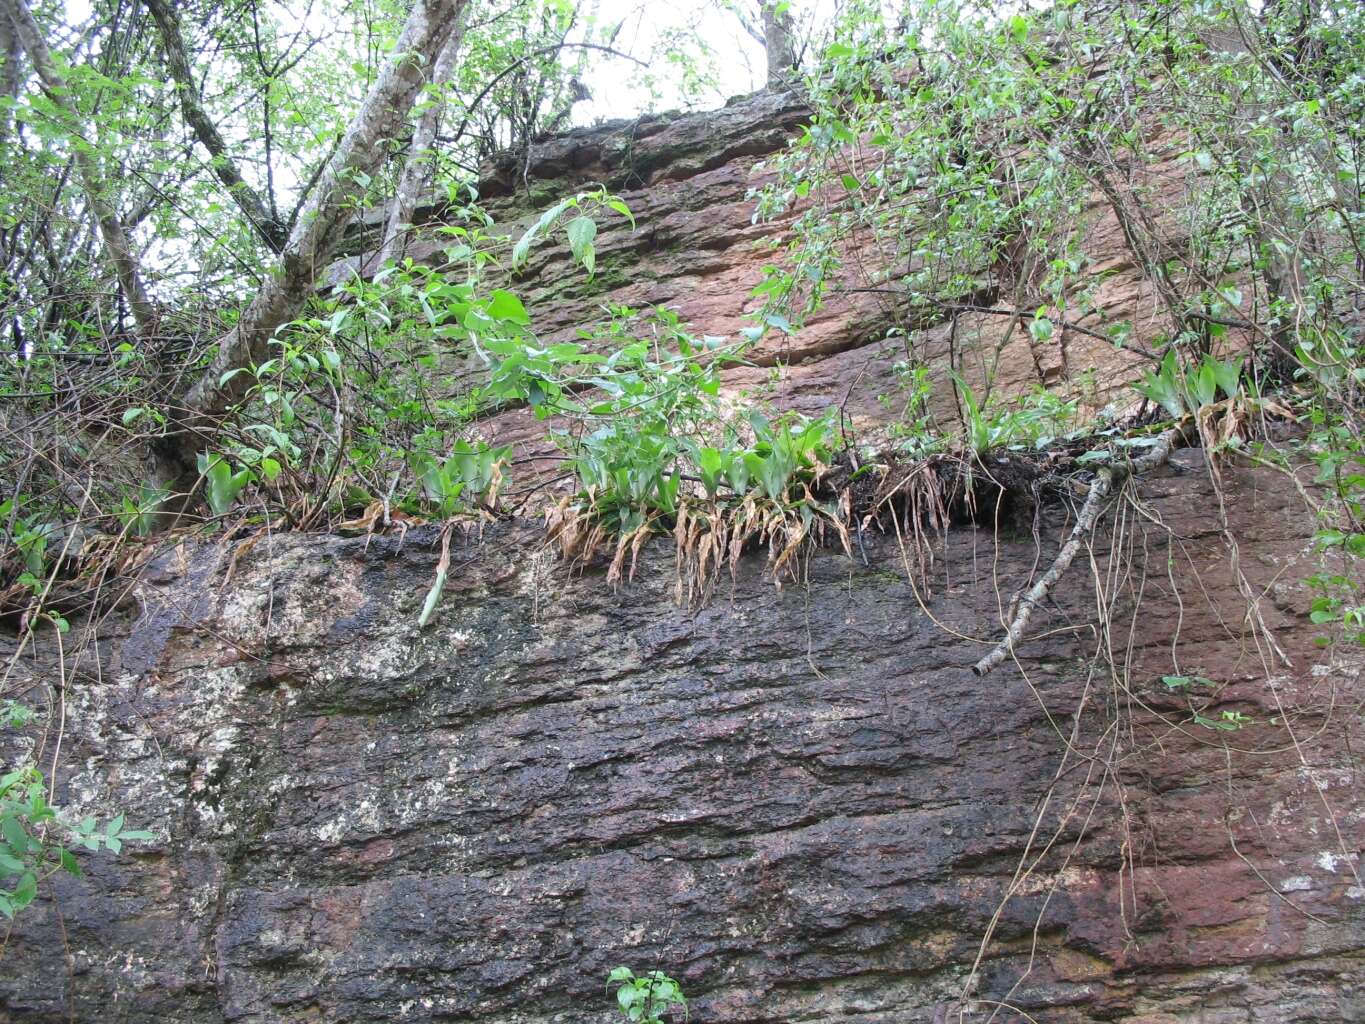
(180, 361)
(36, 838)
(646, 999)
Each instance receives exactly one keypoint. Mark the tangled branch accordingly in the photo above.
(1107, 481)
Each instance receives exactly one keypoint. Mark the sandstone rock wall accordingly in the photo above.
(800, 802)
(695, 249)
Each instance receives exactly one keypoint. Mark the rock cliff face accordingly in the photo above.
(799, 802)
(689, 182)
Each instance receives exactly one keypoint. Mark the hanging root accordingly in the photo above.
(917, 503)
(1108, 480)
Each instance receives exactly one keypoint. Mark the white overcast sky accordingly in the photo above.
(616, 84)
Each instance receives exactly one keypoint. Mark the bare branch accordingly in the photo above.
(313, 240)
(1107, 480)
(112, 233)
(178, 64)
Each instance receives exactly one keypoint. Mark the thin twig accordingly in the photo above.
(1106, 481)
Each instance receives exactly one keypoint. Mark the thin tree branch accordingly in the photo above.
(111, 228)
(1107, 481)
(319, 229)
(224, 167)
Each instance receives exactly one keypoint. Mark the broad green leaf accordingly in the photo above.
(14, 834)
(503, 305)
(624, 210)
(523, 247)
(581, 231)
(68, 862)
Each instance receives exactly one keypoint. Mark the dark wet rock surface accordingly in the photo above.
(799, 802)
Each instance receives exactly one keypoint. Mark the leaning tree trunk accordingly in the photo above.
(419, 164)
(11, 74)
(113, 236)
(311, 244)
(778, 42)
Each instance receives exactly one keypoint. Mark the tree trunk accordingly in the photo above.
(178, 64)
(11, 74)
(311, 244)
(778, 41)
(418, 167)
(115, 239)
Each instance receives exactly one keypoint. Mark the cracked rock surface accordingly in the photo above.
(799, 802)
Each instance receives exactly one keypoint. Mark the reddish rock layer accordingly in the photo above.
(695, 249)
(799, 802)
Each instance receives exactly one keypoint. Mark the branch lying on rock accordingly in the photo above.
(1107, 481)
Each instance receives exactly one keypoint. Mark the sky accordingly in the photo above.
(617, 86)
(735, 58)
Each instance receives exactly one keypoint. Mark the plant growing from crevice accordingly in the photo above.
(36, 838)
(648, 998)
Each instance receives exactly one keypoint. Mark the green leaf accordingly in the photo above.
(523, 247)
(1228, 374)
(1202, 384)
(503, 305)
(581, 232)
(230, 374)
(621, 208)
(25, 890)
(850, 183)
(1162, 387)
(14, 834)
(68, 862)
(433, 599)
